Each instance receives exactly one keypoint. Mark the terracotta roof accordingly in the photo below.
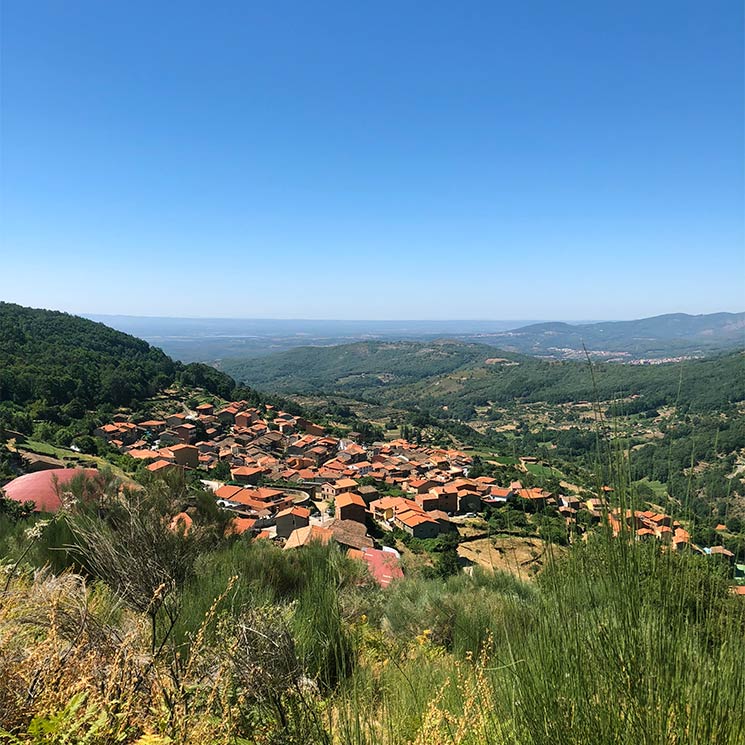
(227, 491)
(159, 465)
(349, 498)
(246, 471)
(303, 512)
(413, 518)
(308, 534)
(141, 454)
(43, 487)
(240, 525)
(345, 483)
(721, 551)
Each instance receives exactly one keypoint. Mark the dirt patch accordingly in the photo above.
(523, 557)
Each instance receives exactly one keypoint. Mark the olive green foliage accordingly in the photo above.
(414, 374)
(56, 367)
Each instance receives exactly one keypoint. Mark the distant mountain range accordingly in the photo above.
(210, 339)
(675, 334)
(661, 337)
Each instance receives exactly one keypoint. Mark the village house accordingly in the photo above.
(174, 420)
(350, 506)
(310, 428)
(332, 490)
(246, 418)
(185, 455)
(447, 499)
(420, 486)
(152, 426)
(308, 535)
(246, 474)
(123, 433)
(186, 432)
(428, 502)
(160, 466)
(169, 437)
(368, 493)
(291, 519)
(417, 524)
(226, 416)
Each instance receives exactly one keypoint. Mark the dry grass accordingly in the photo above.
(520, 557)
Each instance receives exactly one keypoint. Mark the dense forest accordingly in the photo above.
(57, 368)
(463, 376)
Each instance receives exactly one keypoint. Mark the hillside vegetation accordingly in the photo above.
(462, 376)
(361, 369)
(63, 360)
(61, 376)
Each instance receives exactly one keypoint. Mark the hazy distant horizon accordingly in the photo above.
(94, 316)
(525, 321)
(210, 339)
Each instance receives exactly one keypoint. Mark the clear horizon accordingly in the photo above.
(281, 161)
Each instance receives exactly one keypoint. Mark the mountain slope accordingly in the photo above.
(54, 359)
(668, 335)
(461, 376)
(356, 368)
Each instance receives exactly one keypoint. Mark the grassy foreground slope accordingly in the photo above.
(224, 640)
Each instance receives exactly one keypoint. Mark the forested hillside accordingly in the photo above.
(463, 376)
(361, 368)
(55, 367)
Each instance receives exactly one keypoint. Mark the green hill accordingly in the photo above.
(668, 335)
(356, 369)
(55, 366)
(462, 376)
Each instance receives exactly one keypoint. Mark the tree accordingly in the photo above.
(476, 469)
(447, 563)
(221, 471)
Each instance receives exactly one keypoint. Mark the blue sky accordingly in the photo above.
(436, 160)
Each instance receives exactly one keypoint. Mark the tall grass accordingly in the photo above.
(620, 644)
(617, 641)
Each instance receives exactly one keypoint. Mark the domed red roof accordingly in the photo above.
(42, 487)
